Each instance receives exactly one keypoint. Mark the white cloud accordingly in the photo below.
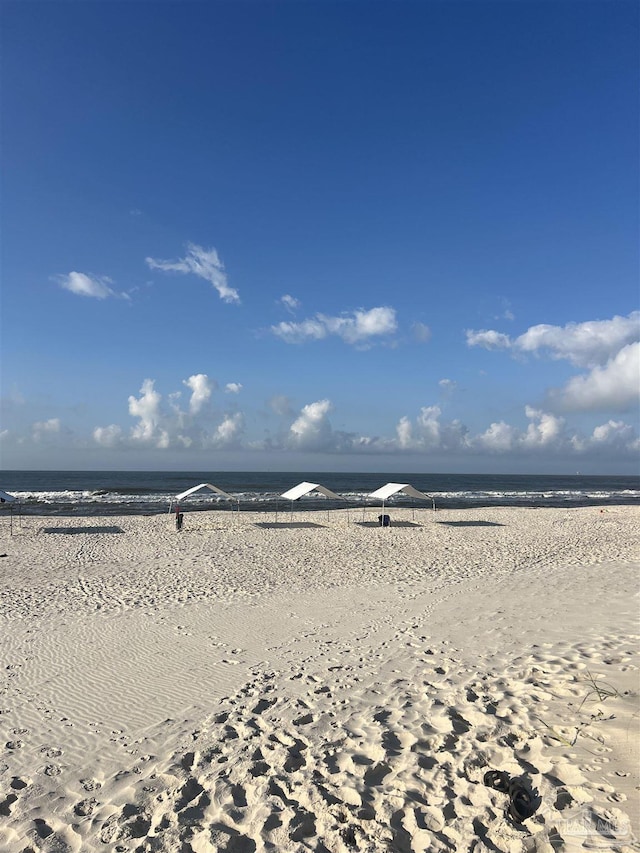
(499, 438)
(51, 425)
(161, 424)
(357, 328)
(229, 431)
(147, 409)
(608, 349)
(289, 302)
(615, 433)
(201, 388)
(404, 433)
(96, 287)
(448, 385)
(45, 429)
(233, 387)
(429, 426)
(546, 432)
(206, 264)
(109, 436)
(545, 436)
(487, 339)
(312, 430)
(545, 429)
(616, 385)
(296, 333)
(421, 332)
(430, 433)
(583, 344)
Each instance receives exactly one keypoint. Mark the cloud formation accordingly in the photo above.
(311, 430)
(357, 328)
(205, 263)
(608, 349)
(201, 388)
(289, 302)
(421, 332)
(45, 429)
(448, 385)
(164, 425)
(93, 286)
(615, 385)
(160, 424)
(229, 432)
(583, 344)
(430, 433)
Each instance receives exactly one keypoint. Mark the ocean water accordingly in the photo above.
(151, 492)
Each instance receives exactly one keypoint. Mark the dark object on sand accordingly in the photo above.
(384, 521)
(497, 779)
(179, 517)
(523, 803)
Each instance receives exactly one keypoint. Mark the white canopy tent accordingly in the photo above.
(6, 498)
(302, 489)
(175, 501)
(385, 492)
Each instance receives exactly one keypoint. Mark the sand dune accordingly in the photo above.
(242, 686)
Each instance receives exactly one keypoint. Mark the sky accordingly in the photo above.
(329, 236)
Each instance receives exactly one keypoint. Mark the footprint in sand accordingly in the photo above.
(228, 840)
(85, 807)
(263, 705)
(6, 804)
(296, 758)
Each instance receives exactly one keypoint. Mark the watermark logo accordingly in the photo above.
(587, 824)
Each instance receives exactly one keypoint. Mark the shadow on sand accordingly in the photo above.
(280, 524)
(393, 524)
(89, 529)
(471, 523)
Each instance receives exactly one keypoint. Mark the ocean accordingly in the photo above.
(151, 492)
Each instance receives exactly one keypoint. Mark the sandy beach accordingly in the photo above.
(321, 684)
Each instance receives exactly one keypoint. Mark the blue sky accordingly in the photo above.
(386, 236)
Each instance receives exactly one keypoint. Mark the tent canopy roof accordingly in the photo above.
(304, 489)
(385, 492)
(6, 497)
(203, 486)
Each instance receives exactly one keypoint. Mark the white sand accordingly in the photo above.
(321, 686)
